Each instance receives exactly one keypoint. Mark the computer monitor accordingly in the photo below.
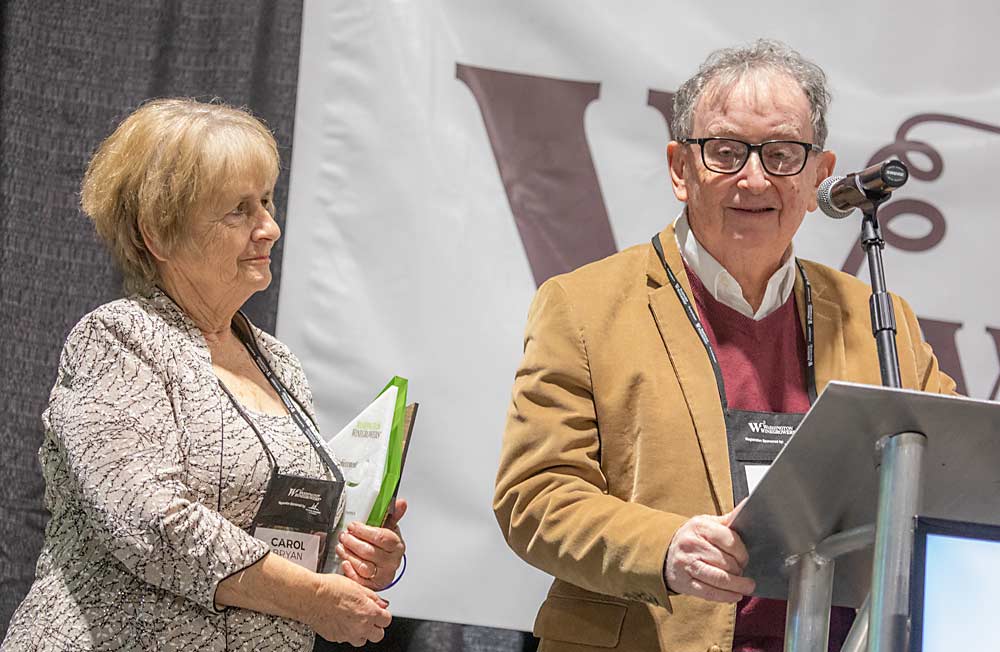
(954, 586)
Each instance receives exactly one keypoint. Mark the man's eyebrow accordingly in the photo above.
(787, 131)
(780, 132)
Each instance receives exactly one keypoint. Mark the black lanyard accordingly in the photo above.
(295, 410)
(692, 315)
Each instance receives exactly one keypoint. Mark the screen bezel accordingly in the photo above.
(926, 526)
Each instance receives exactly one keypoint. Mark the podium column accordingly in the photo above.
(898, 501)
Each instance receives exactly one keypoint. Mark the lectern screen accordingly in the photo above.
(954, 586)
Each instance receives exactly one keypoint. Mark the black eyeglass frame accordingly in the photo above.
(700, 142)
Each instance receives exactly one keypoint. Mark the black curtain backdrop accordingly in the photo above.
(69, 72)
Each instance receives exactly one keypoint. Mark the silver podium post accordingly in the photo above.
(810, 589)
(857, 638)
(898, 502)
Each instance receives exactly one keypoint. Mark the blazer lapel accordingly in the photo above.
(693, 368)
(831, 359)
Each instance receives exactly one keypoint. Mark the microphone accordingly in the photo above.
(839, 196)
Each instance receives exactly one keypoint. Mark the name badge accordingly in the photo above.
(302, 548)
(296, 516)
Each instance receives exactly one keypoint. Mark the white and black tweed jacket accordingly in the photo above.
(152, 480)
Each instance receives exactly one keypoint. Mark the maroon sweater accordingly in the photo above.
(762, 366)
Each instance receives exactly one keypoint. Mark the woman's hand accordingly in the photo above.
(371, 555)
(334, 606)
(346, 612)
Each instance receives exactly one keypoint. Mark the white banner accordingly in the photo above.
(450, 154)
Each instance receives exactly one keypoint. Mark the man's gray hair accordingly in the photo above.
(725, 68)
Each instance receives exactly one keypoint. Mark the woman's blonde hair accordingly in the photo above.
(165, 161)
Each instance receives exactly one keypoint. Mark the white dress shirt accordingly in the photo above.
(721, 284)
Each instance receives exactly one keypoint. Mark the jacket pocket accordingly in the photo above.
(581, 621)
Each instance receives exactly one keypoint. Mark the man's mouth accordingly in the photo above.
(762, 209)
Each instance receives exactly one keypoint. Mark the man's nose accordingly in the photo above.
(753, 176)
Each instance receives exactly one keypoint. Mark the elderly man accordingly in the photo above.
(628, 440)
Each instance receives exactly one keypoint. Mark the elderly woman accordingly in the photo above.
(172, 417)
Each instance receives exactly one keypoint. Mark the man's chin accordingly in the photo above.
(750, 215)
(763, 241)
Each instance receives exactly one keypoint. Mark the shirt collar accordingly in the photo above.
(722, 285)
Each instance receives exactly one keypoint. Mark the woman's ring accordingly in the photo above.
(374, 571)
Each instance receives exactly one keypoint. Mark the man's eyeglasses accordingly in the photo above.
(782, 158)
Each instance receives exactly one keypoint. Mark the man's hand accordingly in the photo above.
(706, 559)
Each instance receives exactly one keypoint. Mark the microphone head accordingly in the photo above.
(823, 199)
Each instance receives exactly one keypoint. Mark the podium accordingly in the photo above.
(825, 526)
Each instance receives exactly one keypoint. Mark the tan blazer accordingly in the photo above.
(615, 436)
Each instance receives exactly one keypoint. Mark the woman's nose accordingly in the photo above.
(267, 227)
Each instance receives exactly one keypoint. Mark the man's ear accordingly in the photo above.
(152, 244)
(679, 169)
(825, 162)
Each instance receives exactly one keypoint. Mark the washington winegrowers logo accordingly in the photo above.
(296, 492)
(302, 494)
(536, 130)
(763, 428)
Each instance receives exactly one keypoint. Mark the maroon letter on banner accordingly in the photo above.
(995, 333)
(941, 336)
(535, 126)
(663, 101)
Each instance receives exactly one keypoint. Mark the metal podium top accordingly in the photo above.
(825, 480)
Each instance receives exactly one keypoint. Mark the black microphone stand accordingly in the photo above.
(882, 315)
